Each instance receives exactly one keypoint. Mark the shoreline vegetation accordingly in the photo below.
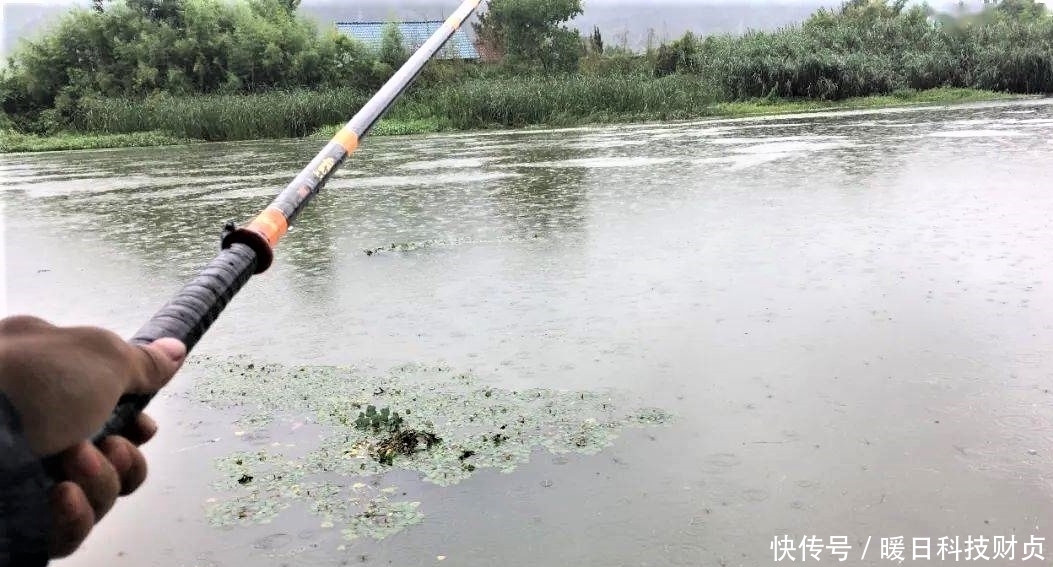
(16, 142)
(739, 109)
(161, 72)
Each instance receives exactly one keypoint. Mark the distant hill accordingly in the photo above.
(629, 23)
(634, 25)
(621, 22)
(27, 20)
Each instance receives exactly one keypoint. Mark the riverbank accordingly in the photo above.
(11, 141)
(937, 96)
(737, 109)
(407, 119)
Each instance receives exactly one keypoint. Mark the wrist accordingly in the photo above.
(24, 514)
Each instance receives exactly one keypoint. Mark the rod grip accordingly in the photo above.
(186, 317)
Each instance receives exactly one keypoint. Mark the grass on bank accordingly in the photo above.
(753, 107)
(469, 107)
(393, 126)
(471, 104)
(11, 141)
(221, 117)
(907, 97)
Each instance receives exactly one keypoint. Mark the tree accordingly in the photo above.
(1021, 10)
(678, 56)
(873, 9)
(596, 41)
(392, 46)
(531, 33)
(140, 48)
(167, 11)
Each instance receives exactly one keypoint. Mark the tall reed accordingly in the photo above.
(222, 117)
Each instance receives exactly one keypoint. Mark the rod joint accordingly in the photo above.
(257, 242)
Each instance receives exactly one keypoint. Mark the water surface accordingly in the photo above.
(850, 316)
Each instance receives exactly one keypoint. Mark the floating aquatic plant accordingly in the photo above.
(377, 421)
(407, 246)
(413, 246)
(441, 424)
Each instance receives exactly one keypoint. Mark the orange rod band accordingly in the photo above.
(271, 223)
(347, 138)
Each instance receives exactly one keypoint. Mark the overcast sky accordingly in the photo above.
(634, 22)
(454, 3)
(586, 3)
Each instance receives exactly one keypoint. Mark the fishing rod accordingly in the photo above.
(249, 250)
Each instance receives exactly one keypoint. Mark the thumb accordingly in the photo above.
(154, 365)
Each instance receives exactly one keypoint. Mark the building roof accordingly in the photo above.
(414, 34)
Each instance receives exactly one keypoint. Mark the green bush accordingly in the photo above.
(873, 47)
(140, 48)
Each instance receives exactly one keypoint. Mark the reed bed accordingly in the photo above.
(221, 117)
(866, 50)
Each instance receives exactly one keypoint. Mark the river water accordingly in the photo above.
(849, 317)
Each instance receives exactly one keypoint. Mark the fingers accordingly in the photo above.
(127, 461)
(88, 468)
(96, 478)
(115, 467)
(71, 519)
(140, 431)
(155, 364)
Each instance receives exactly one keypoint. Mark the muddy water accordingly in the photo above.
(850, 316)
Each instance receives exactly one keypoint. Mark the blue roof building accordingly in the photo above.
(414, 34)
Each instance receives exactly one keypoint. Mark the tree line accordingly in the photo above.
(133, 51)
(137, 48)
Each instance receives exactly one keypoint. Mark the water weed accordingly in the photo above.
(438, 423)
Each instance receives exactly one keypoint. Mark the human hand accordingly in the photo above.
(64, 382)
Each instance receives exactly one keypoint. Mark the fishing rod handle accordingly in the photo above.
(186, 317)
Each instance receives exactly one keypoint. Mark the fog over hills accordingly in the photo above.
(630, 23)
(622, 22)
